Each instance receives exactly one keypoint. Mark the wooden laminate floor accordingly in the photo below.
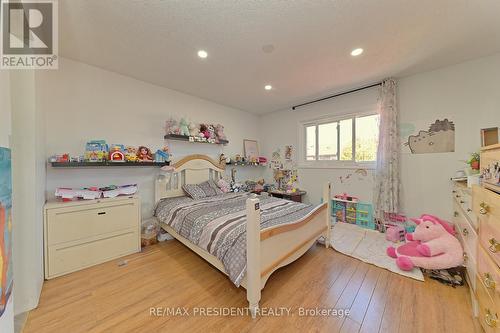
(113, 298)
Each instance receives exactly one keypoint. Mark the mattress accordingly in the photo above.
(218, 224)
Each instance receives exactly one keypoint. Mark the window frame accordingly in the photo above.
(332, 164)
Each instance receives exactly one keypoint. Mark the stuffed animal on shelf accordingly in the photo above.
(219, 131)
(171, 126)
(144, 154)
(432, 245)
(204, 131)
(183, 127)
(212, 137)
(194, 129)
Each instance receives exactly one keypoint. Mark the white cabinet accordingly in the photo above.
(80, 234)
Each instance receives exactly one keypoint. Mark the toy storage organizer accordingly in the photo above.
(353, 212)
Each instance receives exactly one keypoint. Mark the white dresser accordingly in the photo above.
(80, 234)
(466, 225)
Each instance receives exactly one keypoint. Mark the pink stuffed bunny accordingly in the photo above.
(432, 246)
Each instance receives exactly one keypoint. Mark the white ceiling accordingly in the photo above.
(156, 41)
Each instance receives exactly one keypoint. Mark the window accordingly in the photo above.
(339, 141)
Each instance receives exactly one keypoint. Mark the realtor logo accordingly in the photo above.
(29, 38)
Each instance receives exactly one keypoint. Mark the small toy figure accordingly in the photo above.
(183, 127)
(194, 129)
(222, 159)
(116, 153)
(219, 131)
(144, 154)
(131, 154)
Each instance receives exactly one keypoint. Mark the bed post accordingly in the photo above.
(253, 254)
(327, 198)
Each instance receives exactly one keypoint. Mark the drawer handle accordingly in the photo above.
(465, 232)
(453, 191)
(469, 210)
(494, 245)
(484, 208)
(490, 319)
(489, 282)
(455, 214)
(462, 202)
(101, 213)
(457, 196)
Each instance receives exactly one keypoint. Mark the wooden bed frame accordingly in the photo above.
(268, 249)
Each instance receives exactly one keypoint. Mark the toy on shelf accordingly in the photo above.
(117, 153)
(171, 126)
(183, 127)
(194, 130)
(219, 131)
(353, 212)
(96, 151)
(144, 154)
(432, 245)
(212, 137)
(63, 158)
(162, 155)
(346, 197)
(131, 154)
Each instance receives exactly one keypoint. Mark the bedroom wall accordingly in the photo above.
(281, 128)
(83, 102)
(465, 93)
(28, 172)
(7, 319)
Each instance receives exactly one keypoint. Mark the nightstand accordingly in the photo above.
(293, 196)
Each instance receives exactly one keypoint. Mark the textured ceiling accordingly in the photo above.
(157, 41)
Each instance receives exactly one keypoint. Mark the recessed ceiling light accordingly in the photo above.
(356, 52)
(268, 87)
(202, 54)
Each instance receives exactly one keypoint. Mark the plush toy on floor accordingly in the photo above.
(432, 246)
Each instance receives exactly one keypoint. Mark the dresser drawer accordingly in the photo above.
(489, 273)
(485, 203)
(463, 198)
(488, 312)
(486, 206)
(466, 231)
(64, 259)
(68, 224)
(469, 262)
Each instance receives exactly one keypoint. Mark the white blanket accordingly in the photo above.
(368, 246)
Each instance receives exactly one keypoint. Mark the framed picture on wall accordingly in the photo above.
(251, 149)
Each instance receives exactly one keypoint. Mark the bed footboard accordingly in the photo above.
(276, 247)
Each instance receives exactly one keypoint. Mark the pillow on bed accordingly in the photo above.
(224, 185)
(203, 190)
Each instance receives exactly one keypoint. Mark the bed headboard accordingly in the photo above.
(192, 169)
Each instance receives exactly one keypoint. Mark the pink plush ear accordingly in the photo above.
(417, 221)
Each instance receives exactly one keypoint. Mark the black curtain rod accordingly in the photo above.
(337, 95)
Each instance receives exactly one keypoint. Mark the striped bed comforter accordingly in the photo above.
(218, 224)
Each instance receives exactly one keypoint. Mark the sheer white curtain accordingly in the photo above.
(387, 178)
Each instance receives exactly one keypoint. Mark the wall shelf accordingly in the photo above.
(106, 164)
(245, 164)
(187, 139)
